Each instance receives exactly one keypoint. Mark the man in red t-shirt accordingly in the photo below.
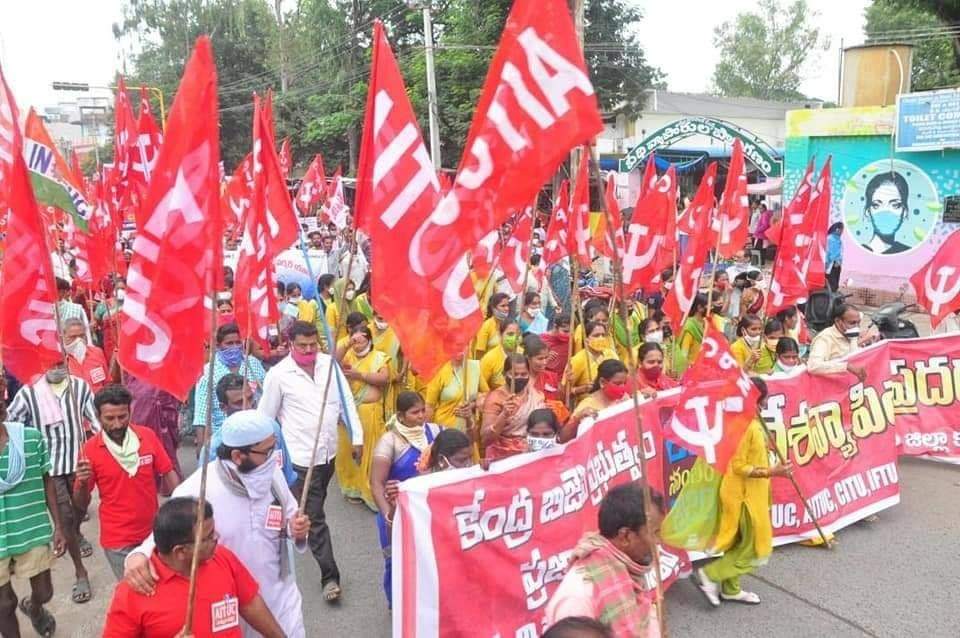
(226, 592)
(85, 360)
(123, 461)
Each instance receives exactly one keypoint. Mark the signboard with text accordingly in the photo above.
(928, 121)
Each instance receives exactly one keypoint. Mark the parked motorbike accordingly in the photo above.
(892, 325)
(818, 311)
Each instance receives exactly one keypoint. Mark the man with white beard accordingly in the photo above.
(255, 516)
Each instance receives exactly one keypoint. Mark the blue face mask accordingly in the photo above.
(886, 222)
(231, 356)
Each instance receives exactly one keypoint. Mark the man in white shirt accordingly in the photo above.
(255, 516)
(294, 392)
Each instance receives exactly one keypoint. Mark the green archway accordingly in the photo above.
(755, 149)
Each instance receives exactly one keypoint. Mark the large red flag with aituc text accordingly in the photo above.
(397, 190)
(28, 327)
(537, 104)
(177, 254)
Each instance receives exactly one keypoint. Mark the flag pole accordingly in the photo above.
(204, 457)
(574, 313)
(332, 347)
(632, 372)
(773, 268)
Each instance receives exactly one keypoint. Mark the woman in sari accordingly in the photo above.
(106, 315)
(610, 387)
(532, 319)
(367, 370)
(506, 410)
(650, 371)
(594, 311)
(395, 458)
(745, 533)
(691, 336)
(385, 340)
(582, 370)
(491, 365)
(498, 309)
(447, 404)
(623, 336)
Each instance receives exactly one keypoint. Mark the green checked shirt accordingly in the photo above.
(24, 520)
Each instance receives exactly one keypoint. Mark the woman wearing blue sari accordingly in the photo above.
(395, 458)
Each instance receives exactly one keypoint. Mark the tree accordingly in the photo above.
(936, 55)
(762, 54)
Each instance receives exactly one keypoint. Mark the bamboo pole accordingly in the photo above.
(574, 313)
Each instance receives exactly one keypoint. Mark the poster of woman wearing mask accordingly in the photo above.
(890, 206)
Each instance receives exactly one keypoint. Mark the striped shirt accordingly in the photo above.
(64, 440)
(254, 377)
(24, 521)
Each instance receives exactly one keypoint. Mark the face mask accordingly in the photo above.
(534, 312)
(772, 344)
(654, 337)
(500, 315)
(121, 295)
(231, 356)
(381, 325)
(509, 342)
(57, 375)
(886, 222)
(598, 344)
(753, 342)
(614, 392)
(537, 443)
(784, 367)
(852, 333)
(78, 349)
(259, 480)
(304, 359)
(296, 299)
(652, 373)
(350, 295)
(517, 385)
(366, 350)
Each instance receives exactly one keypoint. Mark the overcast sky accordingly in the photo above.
(42, 41)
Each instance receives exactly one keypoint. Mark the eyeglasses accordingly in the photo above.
(266, 452)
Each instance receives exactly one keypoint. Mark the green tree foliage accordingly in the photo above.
(936, 56)
(763, 53)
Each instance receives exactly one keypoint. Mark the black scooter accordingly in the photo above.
(891, 324)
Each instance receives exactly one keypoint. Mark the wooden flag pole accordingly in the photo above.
(332, 347)
(632, 372)
(574, 314)
(204, 456)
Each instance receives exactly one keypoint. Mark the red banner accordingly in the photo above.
(519, 521)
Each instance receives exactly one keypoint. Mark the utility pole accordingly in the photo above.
(283, 53)
(433, 108)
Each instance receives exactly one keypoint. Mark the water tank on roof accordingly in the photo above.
(873, 74)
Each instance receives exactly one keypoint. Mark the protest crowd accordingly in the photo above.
(440, 329)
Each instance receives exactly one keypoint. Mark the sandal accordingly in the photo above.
(44, 623)
(709, 588)
(86, 549)
(81, 592)
(745, 597)
(331, 591)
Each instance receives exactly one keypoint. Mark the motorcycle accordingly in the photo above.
(889, 321)
(818, 311)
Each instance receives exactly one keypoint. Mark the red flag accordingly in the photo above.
(313, 187)
(486, 254)
(733, 213)
(28, 327)
(235, 200)
(336, 209)
(397, 191)
(785, 234)
(255, 302)
(282, 227)
(937, 283)
(578, 237)
(649, 179)
(75, 164)
(653, 230)
(537, 104)
(800, 268)
(668, 187)
(286, 155)
(555, 247)
(130, 183)
(615, 239)
(716, 404)
(687, 279)
(516, 253)
(149, 139)
(177, 256)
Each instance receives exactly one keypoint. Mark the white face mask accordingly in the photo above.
(78, 349)
(537, 443)
(534, 312)
(259, 480)
(380, 324)
(784, 367)
(350, 295)
(654, 337)
(753, 342)
(121, 294)
(296, 299)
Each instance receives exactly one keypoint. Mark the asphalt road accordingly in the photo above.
(896, 577)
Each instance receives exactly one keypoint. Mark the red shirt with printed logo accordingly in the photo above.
(128, 504)
(224, 587)
(94, 369)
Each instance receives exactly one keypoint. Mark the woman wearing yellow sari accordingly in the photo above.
(368, 371)
(447, 404)
(385, 340)
(491, 365)
(498, 309)
(594, 311)
(582, 370)
(691, 336)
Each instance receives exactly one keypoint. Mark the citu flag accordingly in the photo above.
(717, 402)
(814, 269)
(397, 190)
(286, 157)
(651, 235)
(149, 139)
(254, 299)
(537, 103)
(937, 283)
(515, 259)
(177, 255)
(129, 181)
(313, 186)
(578, 235)
(791, 238)
(733, 213)
(235, 200)
(555, 246)
(336, 210)
(282, 226)
(28, 327)
(686, 281)
(486, 254)
(649, 179)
